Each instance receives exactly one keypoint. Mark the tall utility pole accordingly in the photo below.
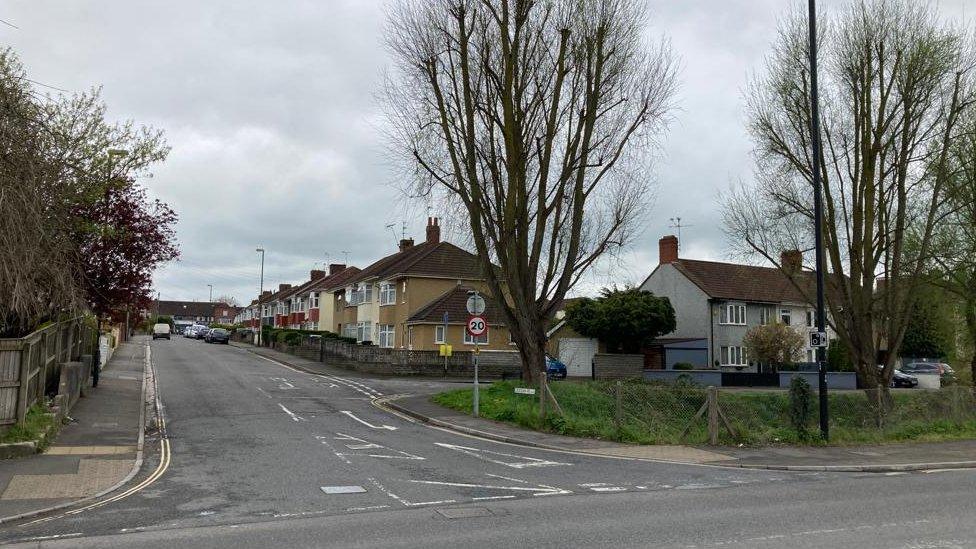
(260, 291)
(818, 217)
(211, 292)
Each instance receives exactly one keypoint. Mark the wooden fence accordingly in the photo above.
(30, 367)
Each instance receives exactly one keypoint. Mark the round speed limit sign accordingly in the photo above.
(477, 325)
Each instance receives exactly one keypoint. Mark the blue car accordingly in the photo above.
(554, 368)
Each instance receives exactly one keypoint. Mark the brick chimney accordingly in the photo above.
(406, 243)
(315, 274)
(265, 294)
(667, 249)
(791, 261)
(336, 268)
(433, 230)
(283, 287)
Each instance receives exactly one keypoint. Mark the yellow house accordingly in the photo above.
(377, 304)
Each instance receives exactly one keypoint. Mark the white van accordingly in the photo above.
(161, 330)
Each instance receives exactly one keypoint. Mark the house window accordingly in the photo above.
(438, 334)
(733, 356)
(786, 316)
(734, 313)
(387, 293)
(387, 338)
(364, 331)
(313, 299)
(480, 340)
(764, 314)
(811, 318)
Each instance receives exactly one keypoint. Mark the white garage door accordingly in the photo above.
(577, 355)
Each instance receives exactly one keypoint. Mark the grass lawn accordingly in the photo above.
(36, 423)
(659, 414)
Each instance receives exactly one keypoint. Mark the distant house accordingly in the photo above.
(571, 348)
(716, 303)
(185, 313)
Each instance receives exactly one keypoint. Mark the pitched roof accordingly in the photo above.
(337, 280)
(454, 303)
(742, 282)
(186, 308)
(438, 259)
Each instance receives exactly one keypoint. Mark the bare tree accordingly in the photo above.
(896, 80)
(536, 119)
(227, 299)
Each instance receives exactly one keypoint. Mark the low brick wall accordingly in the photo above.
(616, 366)
(376, 360)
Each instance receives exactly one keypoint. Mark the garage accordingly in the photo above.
(577, 355)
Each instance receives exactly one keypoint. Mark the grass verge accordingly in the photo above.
(661, 414)
(38, 422)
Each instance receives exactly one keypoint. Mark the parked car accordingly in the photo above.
(946, 374)
(554, 368)
(161, 331)
(903, 380)
(202, 333)
(217, 335)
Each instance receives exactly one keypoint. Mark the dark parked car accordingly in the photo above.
(945, 372)
(554, 368)
(217, 335)
(901, 379)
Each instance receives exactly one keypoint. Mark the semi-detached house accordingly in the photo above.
(715, 304)
(381, 303)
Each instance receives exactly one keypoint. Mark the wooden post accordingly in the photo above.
(712, 400)
(618, 416)
(879, 403)
(542, 395)
(26, 350)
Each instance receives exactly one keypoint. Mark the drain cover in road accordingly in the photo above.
(343, 489)
(464, 512)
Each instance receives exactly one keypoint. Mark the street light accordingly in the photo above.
(260, 291)
(111, 155)
(818, 217)
(211, 292)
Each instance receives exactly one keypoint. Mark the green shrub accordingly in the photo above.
(683, 366)
(346, 339)
(800, 406)
(293, 338)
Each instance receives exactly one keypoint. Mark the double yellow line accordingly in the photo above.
(164, 459)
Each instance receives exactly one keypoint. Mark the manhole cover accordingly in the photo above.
(343, 489)
(464, 512)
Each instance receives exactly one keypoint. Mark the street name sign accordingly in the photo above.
(524, 391)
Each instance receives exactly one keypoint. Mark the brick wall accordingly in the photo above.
(616, 366)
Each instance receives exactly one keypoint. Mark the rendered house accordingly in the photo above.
(715, 304)
(185, 313)
(379, 303)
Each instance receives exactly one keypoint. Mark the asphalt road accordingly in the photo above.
(261, 455)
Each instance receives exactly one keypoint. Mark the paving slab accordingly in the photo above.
(96, 450)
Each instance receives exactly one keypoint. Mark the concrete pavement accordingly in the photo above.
(267, 456)
(96, 451)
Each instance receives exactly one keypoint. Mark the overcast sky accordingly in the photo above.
(271, 114)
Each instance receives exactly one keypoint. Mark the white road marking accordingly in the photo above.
(507, 478)
(263, 392)
(367, 508)
(290, 413)
(370, 425)
(343, 489)
(324, 440)
(361, 444)
(538, 490)
(524, 462)
(491, 497)
(282, 383)
(389, 493)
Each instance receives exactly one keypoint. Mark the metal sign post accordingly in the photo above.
(444, 341)
(476, 327)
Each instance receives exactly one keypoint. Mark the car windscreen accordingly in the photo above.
(219, 331)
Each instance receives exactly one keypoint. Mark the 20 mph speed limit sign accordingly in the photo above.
(477, 326)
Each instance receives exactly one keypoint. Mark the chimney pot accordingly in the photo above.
(282, 287)
(433, 230)
(315, 274)
(406, 243)
(667, 249)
